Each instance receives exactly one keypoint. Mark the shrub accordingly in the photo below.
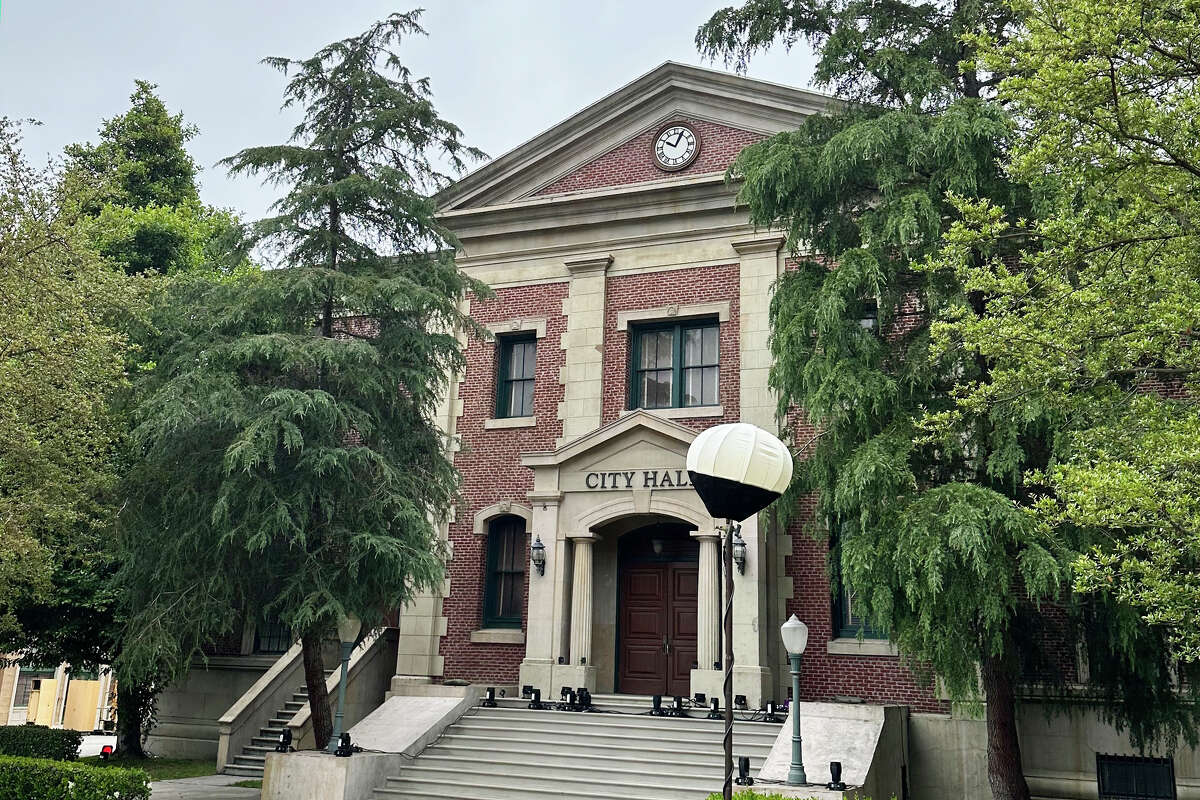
(41, 779)
(38, 741)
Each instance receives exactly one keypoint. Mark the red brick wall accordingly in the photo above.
(679, 287)
(492, 471)
(632, 162)
(875, 679)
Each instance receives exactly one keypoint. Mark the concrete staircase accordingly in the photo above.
(512, 753)
(251, 760)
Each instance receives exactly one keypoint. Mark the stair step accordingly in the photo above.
(250, 760)
(518, 788)
(674, 736)
(242, 770)
(562, 754)
(593, 768)
(527, 718)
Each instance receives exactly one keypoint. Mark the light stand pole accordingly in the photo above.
(731, 529)
(348, 630)
(795, 639)
(737, 470)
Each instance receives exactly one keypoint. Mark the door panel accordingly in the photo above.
(643, 599)
(682, 627)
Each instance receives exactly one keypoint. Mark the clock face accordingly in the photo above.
(676, 146)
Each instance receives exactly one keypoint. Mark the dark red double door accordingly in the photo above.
(657, 628)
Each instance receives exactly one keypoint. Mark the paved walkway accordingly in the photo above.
(209, 787)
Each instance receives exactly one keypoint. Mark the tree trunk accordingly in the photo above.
(314, 679)
(130, 710)
(1003, 749)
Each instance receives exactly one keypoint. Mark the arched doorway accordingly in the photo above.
(656, 609)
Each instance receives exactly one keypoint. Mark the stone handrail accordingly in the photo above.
(242, 721)
(371, 667)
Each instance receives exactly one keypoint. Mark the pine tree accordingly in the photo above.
(932, 530)
(290, 452)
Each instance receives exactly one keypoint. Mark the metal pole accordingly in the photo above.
(796, 774)
(727, 567)
(341, 706)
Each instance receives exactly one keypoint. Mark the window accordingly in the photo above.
(1135, 778)
(28, 682)
(849, 618)
(272, 636)
(675, 365)
(514, 384)
(504, 593)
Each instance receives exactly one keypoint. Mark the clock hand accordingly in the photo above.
(677, 138)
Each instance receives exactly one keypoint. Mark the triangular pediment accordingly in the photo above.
(621, 443)
(606, 145)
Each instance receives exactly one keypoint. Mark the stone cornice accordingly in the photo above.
(766, 243)
(587, 265)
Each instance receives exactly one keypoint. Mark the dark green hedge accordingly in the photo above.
(38, 741)
(41, 779)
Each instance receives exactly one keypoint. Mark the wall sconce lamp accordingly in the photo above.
(537, 554)
(739, 551)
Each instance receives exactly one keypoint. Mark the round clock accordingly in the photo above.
(675, 146)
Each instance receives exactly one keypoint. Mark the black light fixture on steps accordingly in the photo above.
(345, 748)
(739, 701)
(489, 698)
(677, 707)
(535, 701)
(715, 713)
(835, 773)
(526, 692)
(738, 470)
(656, 709)
(699, 699)
(583, 699)
(743, 778)
(284, 743)
(770, 710)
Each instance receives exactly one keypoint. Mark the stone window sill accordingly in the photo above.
(509, 422)
(860, 647)
(690, 412)
(498, 636)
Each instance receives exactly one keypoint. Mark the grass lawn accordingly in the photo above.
(248, 784)
(160, 769)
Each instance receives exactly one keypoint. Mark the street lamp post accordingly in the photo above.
(795, 639)
(348, 630)
(738, 470)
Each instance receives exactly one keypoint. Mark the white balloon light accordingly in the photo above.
(738, 469)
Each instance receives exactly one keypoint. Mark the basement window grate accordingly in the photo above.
(1135, 778)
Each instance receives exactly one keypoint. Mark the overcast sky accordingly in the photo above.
(503, 70)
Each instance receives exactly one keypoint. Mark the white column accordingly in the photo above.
(581, 601)
(708, 601)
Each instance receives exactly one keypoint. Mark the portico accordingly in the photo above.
(603, 506)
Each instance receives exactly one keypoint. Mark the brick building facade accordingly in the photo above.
(623, 269)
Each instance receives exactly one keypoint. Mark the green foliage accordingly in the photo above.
(926, 495)
(1098, 319)
(140, 160)
(61, 364)
(38, 741)
(287, 438)
(166, 239)
(37, 779)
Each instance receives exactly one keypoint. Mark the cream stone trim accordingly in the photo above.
(498, 636)
(720, 309)
(690, 412)
(634, 419)
(509, 422)
(536, 324)
(769, 243)
(585, 265)
(861, 647)
(485, 515)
